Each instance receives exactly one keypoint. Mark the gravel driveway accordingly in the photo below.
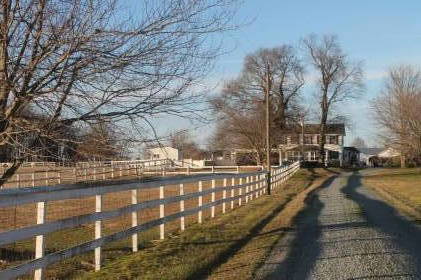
(347, 232)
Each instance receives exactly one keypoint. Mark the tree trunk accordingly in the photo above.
(403, 161)
(323, 122)
(258, 158)
(4, 85)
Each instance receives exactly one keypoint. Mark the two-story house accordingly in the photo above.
(302, 143)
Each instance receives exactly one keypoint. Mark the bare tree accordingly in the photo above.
(278, 69)
(358, 142)
(338, 78)
(240, 104)
(100, 143)
(80, 61)
(243, 130)
(397, 112)
(184, 142)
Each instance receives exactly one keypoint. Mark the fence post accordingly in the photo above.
(232, 192)
(213, 199)
(18, 180)
(213, 169)
(46, 178)
(251, 187)
(182, 225)
(39, 241)
(103, 174)
(261, 184)
(161, 213)
(58, 177)
(33, 179)
(98, 209)
(137, 170)
(121, 171)
(75, 174)
(274, 176)
(199, 214)
(134, 221)
(240, 192)
(247, 189)
(224, 196)
(258, 191)
(268, 183)
(188, 170)
(238, 169)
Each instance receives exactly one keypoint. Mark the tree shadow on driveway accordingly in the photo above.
(305, 248)
(382, 216)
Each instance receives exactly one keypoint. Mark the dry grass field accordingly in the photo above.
(22, 216)
(401, 187)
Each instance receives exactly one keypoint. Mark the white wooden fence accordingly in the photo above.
(95, 172)
(52, 173)
(250, 185)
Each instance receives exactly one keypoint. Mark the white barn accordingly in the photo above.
(164, 153)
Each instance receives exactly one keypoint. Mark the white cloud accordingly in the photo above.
(375, 74)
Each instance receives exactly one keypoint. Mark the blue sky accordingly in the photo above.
(381, 33)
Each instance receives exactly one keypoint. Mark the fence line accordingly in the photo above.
(256, 184)
(92, 174)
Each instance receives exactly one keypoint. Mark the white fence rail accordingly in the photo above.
(83, 172)
(236, 189)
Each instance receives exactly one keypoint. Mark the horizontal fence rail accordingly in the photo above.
(35, 174)
(236, 189)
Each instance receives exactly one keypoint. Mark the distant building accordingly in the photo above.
(167, 152)
(369, 156)
(302, 143)
(389, 153)
(374, 157)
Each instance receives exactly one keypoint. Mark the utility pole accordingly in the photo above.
(302, 137)
(268, 150)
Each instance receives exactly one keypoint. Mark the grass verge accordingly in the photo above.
(230, 246)
(399, 187)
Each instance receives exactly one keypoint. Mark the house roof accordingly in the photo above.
(312, 128)
(352, 149)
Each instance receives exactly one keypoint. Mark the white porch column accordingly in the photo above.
(341, 157)
(280, 156)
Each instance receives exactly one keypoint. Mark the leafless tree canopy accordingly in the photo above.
(338, 78)
(77, 61)
(240, 104)
(397, 111)
(358, 142)
(186, 145)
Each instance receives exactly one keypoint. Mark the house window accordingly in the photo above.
(333, 139)
(155, 156)
(308, 139)
(293, 155)
(312, 156)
